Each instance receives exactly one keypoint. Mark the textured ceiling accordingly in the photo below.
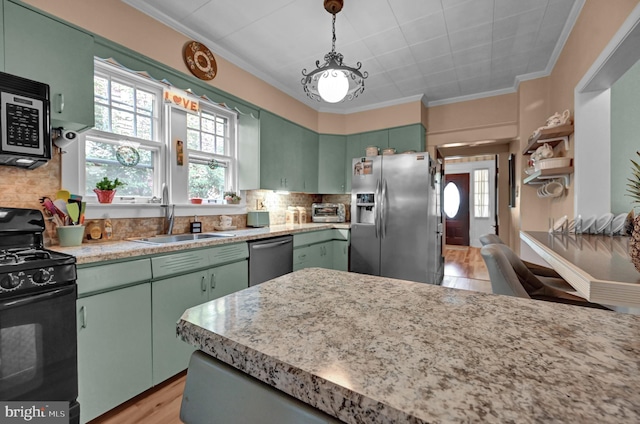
(438, 50)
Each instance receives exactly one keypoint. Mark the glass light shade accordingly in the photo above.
(333, 85)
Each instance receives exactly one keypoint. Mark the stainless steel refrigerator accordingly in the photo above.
(396, 223)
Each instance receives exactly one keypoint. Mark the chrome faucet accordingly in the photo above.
(168, 214)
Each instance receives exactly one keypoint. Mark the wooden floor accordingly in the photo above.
(463, 269)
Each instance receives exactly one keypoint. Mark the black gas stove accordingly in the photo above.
(38, 341)
(25, 265)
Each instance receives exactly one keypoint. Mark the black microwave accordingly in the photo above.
(25, 122)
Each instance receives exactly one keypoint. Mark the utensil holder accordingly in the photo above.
(70, 235)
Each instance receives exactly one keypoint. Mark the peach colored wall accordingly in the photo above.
(533, 110)
(596, 25)
(388, 117)
(482, 119)
(116, 21)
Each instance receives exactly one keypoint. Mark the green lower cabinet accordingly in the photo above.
(301, 257)
(172, 296)
(333, 254)
(341, 255)
(324, 256)
(227, 279)
(114, 348)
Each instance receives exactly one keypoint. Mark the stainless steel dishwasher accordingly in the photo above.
(270, 258)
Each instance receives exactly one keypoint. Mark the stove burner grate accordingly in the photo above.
(21, 255)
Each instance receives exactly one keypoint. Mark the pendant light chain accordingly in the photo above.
(333, 41)
(332, 81)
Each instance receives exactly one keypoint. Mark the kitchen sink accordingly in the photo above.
(182, 237)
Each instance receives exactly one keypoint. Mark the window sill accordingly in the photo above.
(153, 210)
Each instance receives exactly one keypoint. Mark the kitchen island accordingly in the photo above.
(367, 349)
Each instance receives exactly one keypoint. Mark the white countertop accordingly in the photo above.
(597, 266)
(376, 350)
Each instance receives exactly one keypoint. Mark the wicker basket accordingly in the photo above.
(552, 163)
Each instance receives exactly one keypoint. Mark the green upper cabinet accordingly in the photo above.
(288, 155)
(309, 161)
(331, 154)
(379, 138)
(43, 49)
(273, 148)
(411, 137)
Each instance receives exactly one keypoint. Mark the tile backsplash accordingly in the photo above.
(277, 203)
(20, 188)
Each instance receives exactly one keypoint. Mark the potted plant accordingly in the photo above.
(231, 197)
(106, 189)
(633, 190)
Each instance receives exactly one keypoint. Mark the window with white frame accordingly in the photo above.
(127, 141)
(481, 193)
(130, 142)
(211, 153)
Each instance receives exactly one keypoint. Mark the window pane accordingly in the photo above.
(101, 162)
(220, 126)
(451, 200)
(122, 122)
(208, 125)
(205, 182)
(193, 140)
(220, 146)
(208, 143)
(101, 89)
(102, 117)
(144, 129)
(481, 193)
(145, 102)
(122, 95)
(193, 121)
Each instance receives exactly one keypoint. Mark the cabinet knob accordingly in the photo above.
(213, 281)
(203, 284)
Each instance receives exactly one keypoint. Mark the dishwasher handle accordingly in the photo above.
(270, 245)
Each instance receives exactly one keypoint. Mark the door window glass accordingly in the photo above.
(451, 200)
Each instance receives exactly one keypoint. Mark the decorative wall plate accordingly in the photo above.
(200, 61)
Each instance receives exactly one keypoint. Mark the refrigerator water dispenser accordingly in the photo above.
(365, 209)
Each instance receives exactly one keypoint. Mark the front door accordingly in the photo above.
(456, 209)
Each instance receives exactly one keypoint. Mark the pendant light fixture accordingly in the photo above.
(333, 81)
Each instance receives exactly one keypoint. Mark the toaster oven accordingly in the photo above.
(327, 212)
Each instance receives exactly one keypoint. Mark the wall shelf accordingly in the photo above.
(541, 176)
(552, 136)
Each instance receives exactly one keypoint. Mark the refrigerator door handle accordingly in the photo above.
(383, 205)
(376, 202)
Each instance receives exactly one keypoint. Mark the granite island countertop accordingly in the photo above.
(376, 350)
(97, 252)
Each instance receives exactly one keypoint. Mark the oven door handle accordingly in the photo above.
(29, 299)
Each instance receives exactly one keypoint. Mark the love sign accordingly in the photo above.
(182, 99)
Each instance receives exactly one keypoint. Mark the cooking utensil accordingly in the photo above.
(83, 206)
(73, 210)
(61, 205)
(63, 194)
